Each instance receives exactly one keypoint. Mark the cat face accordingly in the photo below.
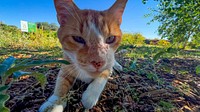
(89, 38)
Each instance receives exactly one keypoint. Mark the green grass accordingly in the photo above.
(147, 50)
(164, 106)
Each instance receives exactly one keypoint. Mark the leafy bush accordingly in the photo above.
(9, 68)
(163, 43)
(132, 39)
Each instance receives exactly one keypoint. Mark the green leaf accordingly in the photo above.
(9, 62)
(3, 69)
(144, 1)
(150, 76)
(3, 88)
(4, 109)
(158, 55)
(31, 64)
(198, 69)
(172, 50)
(19, 74)
(35, 63)
(3, 99)
(41, 78)
(165, 104)
(133, 64)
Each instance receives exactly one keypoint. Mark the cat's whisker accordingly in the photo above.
(78, 74)
(70, 72)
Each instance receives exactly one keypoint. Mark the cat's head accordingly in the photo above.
(89, 38)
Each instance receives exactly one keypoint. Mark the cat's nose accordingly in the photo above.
(97, 64)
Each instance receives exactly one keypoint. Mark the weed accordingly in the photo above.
(197, 69)
(164, 106)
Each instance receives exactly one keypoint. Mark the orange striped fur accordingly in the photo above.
(92, 56)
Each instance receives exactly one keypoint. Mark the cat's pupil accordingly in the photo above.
(110, 40)
(79, 39)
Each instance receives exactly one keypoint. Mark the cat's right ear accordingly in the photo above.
(117, 10)
(65, 8)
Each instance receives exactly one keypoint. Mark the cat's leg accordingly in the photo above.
(94, 90)
(64, 82)
(117, 66)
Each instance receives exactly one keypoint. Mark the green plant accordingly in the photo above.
(163, 43)
(132, 39)
(151, 64)
(198, 69)
(10, 68)
(164, 106)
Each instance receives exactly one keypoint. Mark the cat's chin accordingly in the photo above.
(94, 73)
(92, 70)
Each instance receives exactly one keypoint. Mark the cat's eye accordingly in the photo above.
(79, 39)
(110, 39)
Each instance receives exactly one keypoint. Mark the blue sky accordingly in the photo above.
(12, 11)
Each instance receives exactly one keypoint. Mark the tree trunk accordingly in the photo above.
(185, 44)
(186, 41)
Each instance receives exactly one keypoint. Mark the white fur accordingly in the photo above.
(83, 76)
(52, 105)
(93, 92)
(95, 30)
(117, 66)
(58, 108)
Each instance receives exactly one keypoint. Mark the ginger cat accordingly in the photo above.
(89, 40)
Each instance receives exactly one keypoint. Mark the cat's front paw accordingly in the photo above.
(89, 98)
(52, 105)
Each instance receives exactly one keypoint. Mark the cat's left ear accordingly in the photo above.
(64, 9)
(116, 11)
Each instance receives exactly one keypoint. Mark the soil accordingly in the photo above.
(126, 91)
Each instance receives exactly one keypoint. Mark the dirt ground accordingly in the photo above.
(126, 91)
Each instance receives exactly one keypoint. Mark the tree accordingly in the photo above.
(47, 26)
(195, 43)
(53, 26)
(180, 19)
(138, 38)
(133, 39)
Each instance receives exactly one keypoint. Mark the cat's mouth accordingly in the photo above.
(95, 71)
